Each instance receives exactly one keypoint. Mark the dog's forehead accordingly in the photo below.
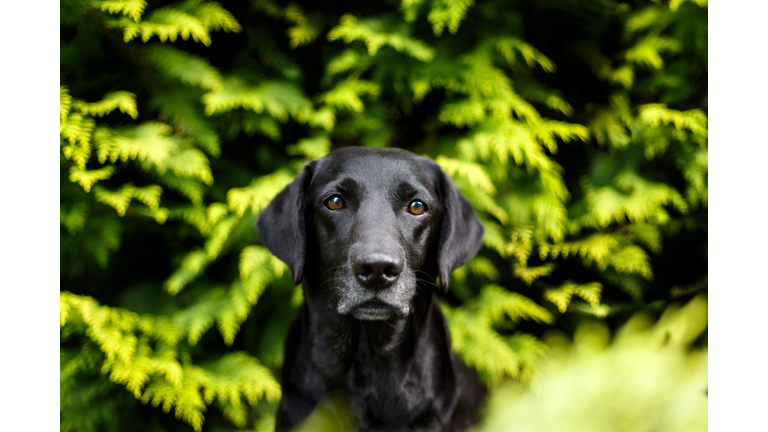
(374, 168)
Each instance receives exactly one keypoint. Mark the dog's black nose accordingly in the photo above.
(377, 270)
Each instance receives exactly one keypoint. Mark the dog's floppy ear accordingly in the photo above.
(281, 224)
(461, 233)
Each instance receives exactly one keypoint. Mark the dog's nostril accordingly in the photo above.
(363, 271)
(391, 271)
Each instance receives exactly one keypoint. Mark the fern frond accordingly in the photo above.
(675, 4)
(185, 67)
(474, 173)
(65, 102)
(252, 257)
(561, 296)
(508, 45)
(220, 235)
(124, 101)
(657, 114)
(276, 98)
(212, 15)
(624, 75)
(594, 248)
(184, 110)
(645, 18)
(146, 142)
(348, 60)
(494, 237)
(119, 199)
(185, 399)
(192, 18)
(373, 33)
(74, 218)
(520, 245)
(495, 357)
(631, 259)
(165, 363)
(159, 214)
(482, 266)
(530, 274)
(496, 302)
(191, 266)
(163, 329)
(194, 215)
(647, 234)
(133, 374)
(647, 51)
(87, 178)
(598, 311)
(347, 93)
(199, 317)
(324, 117)
(216, 212)
(190, 188)
(260, 192)
(608, 128)
(149, 195)
(603, 250)
(305, 30)
(187, 163)
(632, 198)
(466, 112)
(236, 374)
(630, 284)
(481, 347)
(313, 147)
(695, 170)
(448, 14)
(482, 200)
(233, 312)
(551, 216)
(130, 8)
(77, 130)
(258, 279)
(110, 328)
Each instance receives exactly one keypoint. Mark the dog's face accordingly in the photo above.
(373, 218)
(361, 225)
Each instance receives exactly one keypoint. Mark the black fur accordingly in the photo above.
(370, 324)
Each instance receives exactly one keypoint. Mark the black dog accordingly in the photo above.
(368, 230)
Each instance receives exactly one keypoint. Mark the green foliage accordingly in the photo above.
(474, 336)
(646, 379)
(374, 34)
(577, 131)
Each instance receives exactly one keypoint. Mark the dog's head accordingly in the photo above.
(366, 225)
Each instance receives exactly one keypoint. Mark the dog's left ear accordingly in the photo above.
(281, 224)
(461, 233)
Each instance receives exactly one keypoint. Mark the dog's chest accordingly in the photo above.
(383, 385)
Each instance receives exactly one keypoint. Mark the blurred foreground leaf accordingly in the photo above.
(648, 379)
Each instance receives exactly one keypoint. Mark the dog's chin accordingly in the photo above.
(374, 310)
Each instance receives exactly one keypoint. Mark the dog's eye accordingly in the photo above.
(416, 207)
(335, 202)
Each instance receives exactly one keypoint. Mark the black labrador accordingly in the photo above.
(368, 231)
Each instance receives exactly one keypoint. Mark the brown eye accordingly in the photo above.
(335, 203)
(416, 207)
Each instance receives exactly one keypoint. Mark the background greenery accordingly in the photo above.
(577, 130)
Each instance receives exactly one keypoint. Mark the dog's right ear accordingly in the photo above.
(461, 232)
(281, 224)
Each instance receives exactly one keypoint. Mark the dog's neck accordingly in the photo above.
(340, 341)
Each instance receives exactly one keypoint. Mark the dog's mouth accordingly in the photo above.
(374, 310)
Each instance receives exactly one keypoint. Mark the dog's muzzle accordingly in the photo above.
(377, 285)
